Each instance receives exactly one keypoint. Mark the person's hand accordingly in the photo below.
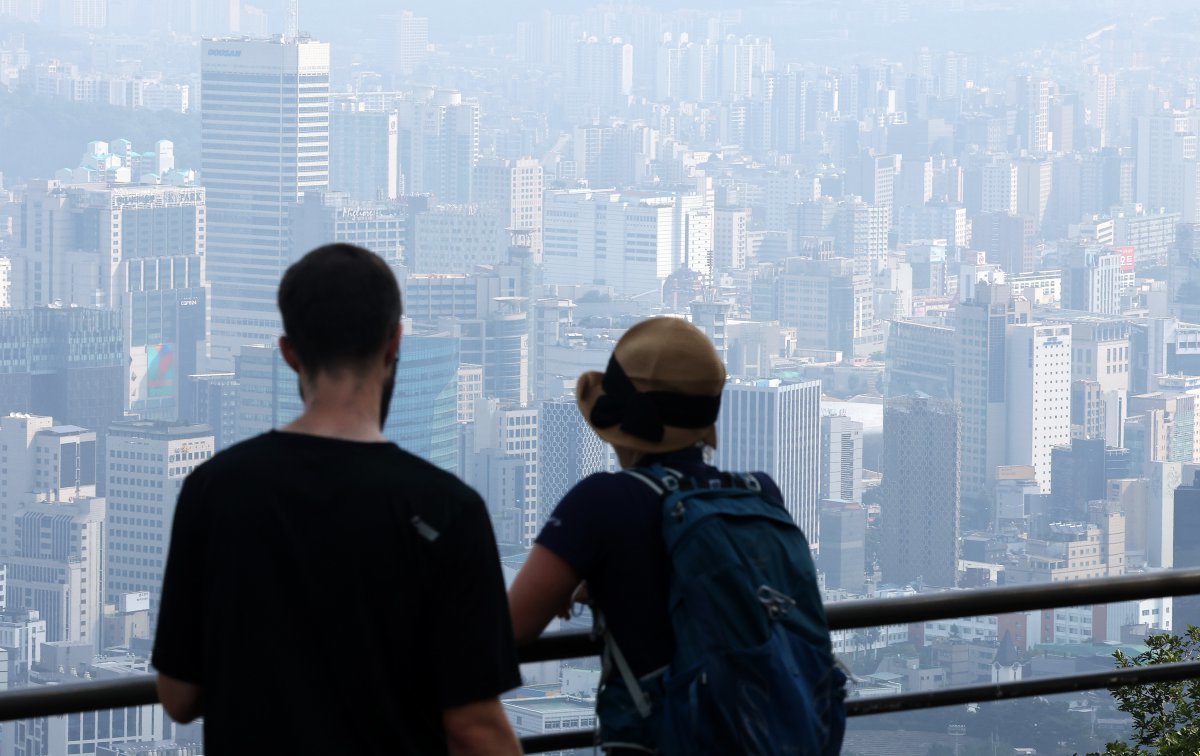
(580, 596)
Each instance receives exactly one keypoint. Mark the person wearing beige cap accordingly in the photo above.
(657, 404)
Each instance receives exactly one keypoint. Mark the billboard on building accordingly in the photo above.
(160, 370)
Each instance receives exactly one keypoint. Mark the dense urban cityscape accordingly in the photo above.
(949, 251)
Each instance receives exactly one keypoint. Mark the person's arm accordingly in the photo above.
(179, 641)
(479, 729)
(541, 590)
(180, 699)
(469, 632)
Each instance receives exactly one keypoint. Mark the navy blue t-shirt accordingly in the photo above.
(608, 528)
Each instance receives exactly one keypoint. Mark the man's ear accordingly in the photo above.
(289, 353)
(391, 352)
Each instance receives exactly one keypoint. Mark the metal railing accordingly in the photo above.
(111, 694)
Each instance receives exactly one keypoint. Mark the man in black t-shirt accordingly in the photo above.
(325, 591)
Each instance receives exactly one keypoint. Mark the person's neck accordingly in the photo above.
(344, 407)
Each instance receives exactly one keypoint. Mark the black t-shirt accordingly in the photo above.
(332, 597)
(608, 528)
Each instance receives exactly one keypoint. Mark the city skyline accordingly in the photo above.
(948, 251)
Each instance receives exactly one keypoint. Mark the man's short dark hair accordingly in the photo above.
(340, 304)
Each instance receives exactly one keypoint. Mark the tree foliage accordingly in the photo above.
(42, 134)
(1166, 715)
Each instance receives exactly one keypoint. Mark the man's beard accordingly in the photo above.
(385, 401)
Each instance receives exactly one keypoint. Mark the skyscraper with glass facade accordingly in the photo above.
(424, 411)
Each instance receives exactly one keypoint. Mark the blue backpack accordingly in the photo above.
(753, 671)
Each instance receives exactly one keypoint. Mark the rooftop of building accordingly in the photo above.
(552, 705)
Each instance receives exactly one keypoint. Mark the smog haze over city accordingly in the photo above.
(948, 251)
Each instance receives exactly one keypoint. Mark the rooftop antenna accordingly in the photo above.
(291, 26)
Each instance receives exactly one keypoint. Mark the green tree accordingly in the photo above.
(1166, 715)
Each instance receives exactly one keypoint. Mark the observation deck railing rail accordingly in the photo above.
(57, 700)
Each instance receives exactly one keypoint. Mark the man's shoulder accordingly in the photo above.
(249, 454)
(253, 455)
(436, 482)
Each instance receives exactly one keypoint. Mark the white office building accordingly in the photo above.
(147, 463)
(606, 239)
(264, 143)
(1038, 395)
(841, 458)
(516, 188)
(775, 427)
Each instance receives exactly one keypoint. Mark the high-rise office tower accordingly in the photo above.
(1034, 181)
(920, 358)
(438, 139)
(731, 237)
(1007, 239)
(364, 157)
(619, 155)
(6, 301)
(874, 178)
(322, 218)
(841, 458)
(1088, 410)
(713, 319)
(830, 304)
(1091, 280)
(412, 42)
(55, 562)
(980, 381)
(920, 497)
(138, 250)
(627, 243)
(216, 18)
(65, 363)
(264, 143)
(147, 462)
(1001, 187)
(686, 70)
(603, 72)
(775, 427)
(513, 432)
(788, 91)
(935, 220)
(1186, 544)
(552, 320)
(744, 63)
(78, 14)
(569, 451)
(424, 412)
(516, 188)
(1033, 108)
(861, 233)
(156, 280)
(1102, 355)
(498, 341)
(1152, 233)
(1038, 395)
(1168, 165)
(843, 545)
(53, 539)
(212, 399)
(268, 391)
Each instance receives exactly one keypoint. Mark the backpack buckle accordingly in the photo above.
(776, 603)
